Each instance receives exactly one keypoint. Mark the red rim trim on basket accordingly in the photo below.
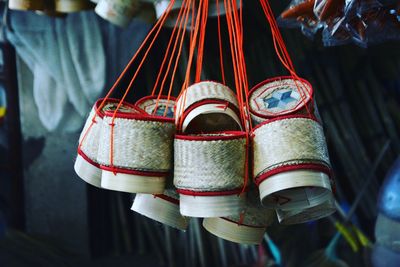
(299, 106)
(280, 118)
(243, 224)
(100, 113)
(133, 172)
(153, 97)
(306, 166)
(167, 198)
(210, 193)
(85, 157)
(209, 101)
(230, 135)
(138, 116)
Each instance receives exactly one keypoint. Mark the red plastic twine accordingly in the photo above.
(283, 54)
(235, 30)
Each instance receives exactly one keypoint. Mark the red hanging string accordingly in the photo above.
(179, 39)
(160, 72)
(221, 59)
(186, 82)
(200, 47)
(179, 54)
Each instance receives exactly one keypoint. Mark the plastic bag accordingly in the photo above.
(362, 22)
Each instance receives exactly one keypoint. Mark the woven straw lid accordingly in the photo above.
(118, 12)
(86, 165)
(208, 107)
(291, 163)
(142, 152)
(325, 208)
(67, 6)
(162, 208)
(26, 4)
(280, 96)
(245, 227)
(162, 106)
(209, 173)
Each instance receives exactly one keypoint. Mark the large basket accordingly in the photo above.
(163, 208)
(208, 107)
(245, 227)
(86, 165)
(280, 96)
(67, 6)
(141, 151)
(27, 4)
(118, 12)
(290, 163)
(209, 173)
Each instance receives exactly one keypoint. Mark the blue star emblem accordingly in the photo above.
(280, 99)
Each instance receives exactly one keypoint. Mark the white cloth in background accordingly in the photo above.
(73, 60)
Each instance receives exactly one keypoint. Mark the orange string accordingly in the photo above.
(186, 82)
(167, 51)
(181, 29)
(221, 59)
(191, 3)
(200, 47)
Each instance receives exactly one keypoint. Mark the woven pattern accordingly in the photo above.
(204, 90)
(254, 213)
(90, 145)
(279, 97)
(289, 141)
(138, 144)
(209, 165)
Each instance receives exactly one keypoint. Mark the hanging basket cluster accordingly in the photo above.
(237, 158)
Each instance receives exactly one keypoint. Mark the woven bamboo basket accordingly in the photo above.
(247, 226)
(67, 6)
(26, 4)
(118, 12)
(290, 162)
(325, 208)
(141, 152)
(163, 208)
(86, 165)
(280, 96)
(209, 173)
(208, 107)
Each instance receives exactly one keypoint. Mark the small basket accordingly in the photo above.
(86, 165)
(118, 12)
(142, 152)
(246, 227)
(208, 107)
(290, 163)
(325, 208)
(280, 96)
(209, 173)
(67, 6)
(163, 208)
(27, 4)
